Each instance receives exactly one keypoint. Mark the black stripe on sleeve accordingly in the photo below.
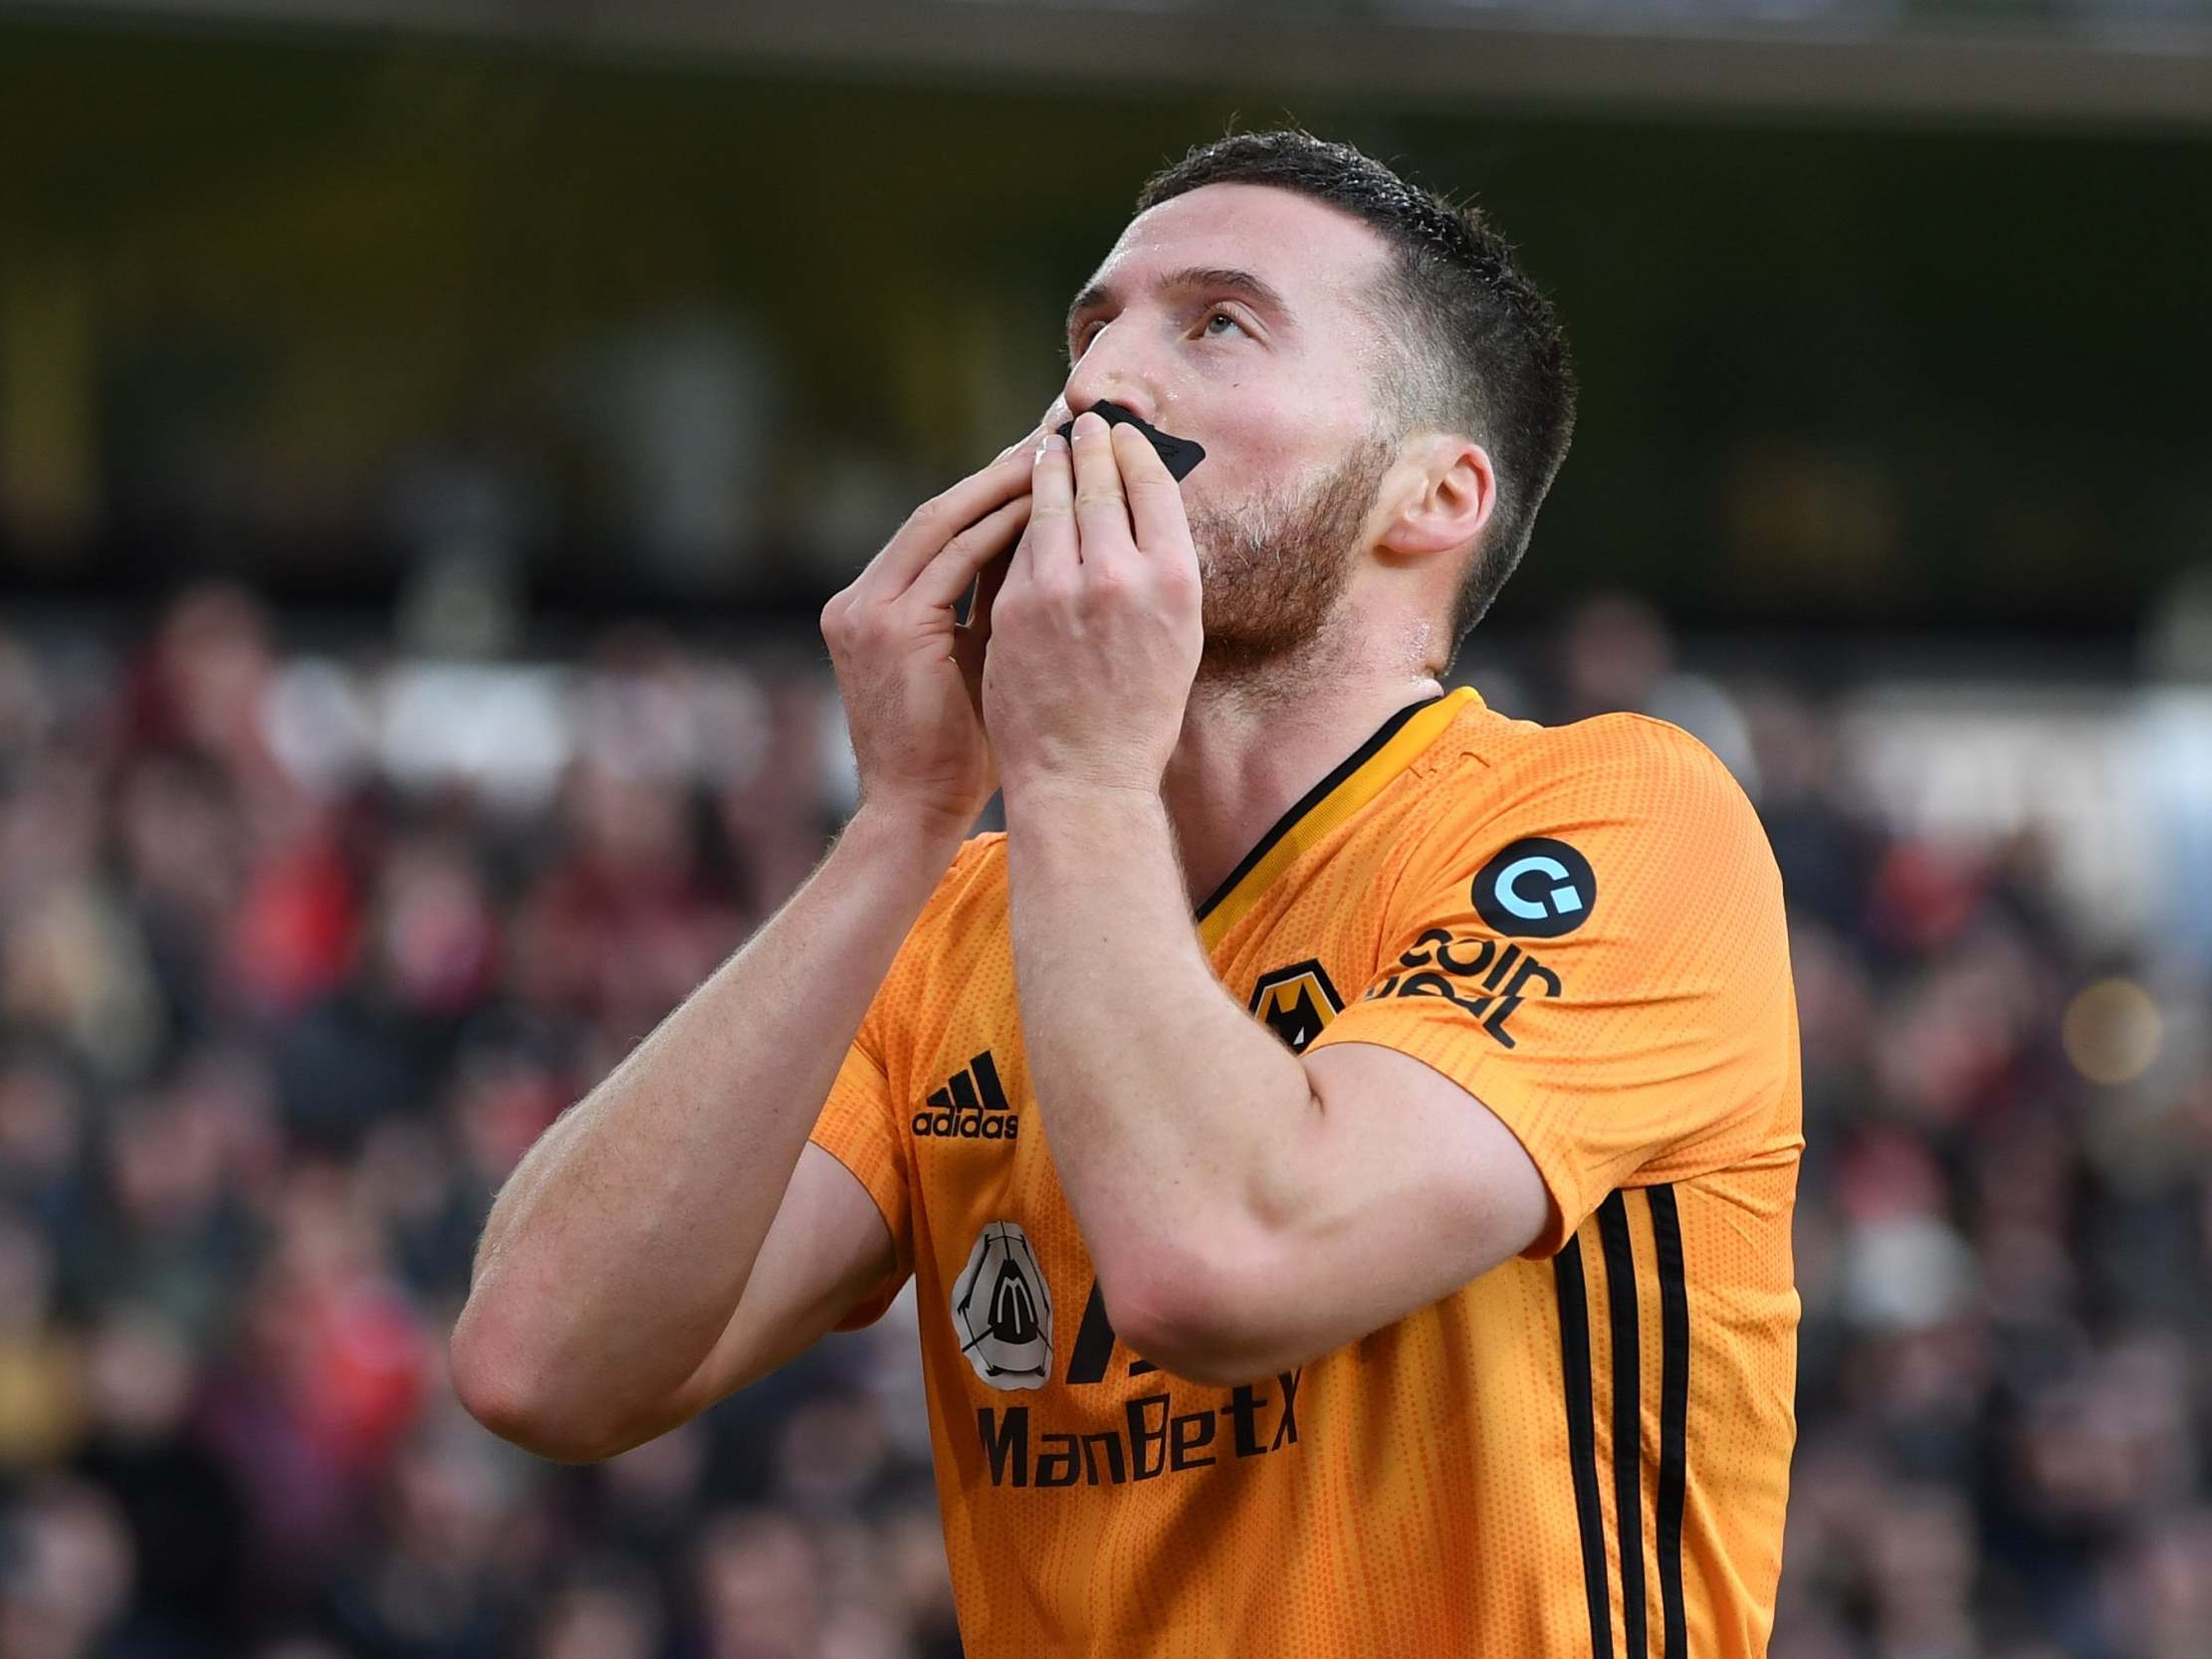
(1667, 1238)
(1627, 1418)
(1582, 1440)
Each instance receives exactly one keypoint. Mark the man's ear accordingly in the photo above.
(1449, 497)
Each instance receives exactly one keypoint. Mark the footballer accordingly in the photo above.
(1342, 1138)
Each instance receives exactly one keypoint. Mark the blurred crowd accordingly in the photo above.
(274, 1029)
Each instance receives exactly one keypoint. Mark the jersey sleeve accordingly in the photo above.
(1602, 960)
(859, 1127)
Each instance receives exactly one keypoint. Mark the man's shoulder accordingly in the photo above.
(957, 952)
(981, 858)
(1642, 789)
(1484, 738)
(970, 896)
(1492, 763)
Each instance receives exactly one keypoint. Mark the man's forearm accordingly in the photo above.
(1166, 1103)
(617, 1251)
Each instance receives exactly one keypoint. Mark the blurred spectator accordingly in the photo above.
(184, 1511)
(2175, 735)
(1616, 653)
(287, 987)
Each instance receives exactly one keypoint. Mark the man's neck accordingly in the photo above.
(1247, 755)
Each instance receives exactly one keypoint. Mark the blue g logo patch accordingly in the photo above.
(1535, 889)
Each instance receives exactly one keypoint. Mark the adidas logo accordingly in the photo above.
(971, 1106)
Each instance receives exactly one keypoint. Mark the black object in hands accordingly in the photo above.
(1181, 454)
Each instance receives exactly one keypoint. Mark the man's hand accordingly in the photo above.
(1098, 626)
(911, 674)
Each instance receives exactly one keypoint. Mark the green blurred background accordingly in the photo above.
(310, 305)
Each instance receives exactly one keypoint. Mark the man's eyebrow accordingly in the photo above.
(1220, 279)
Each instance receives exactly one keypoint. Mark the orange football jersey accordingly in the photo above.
(1583, 1452)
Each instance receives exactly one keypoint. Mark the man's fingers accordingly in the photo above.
(974, 636)
(1156, 511)
(1048, 545)
(947, 576)
(1101, 507)
(988, 585)
(1022, 446)
(937, 521)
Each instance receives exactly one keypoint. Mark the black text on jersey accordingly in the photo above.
(971, 1106)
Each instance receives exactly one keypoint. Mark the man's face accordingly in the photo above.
(1234, 314)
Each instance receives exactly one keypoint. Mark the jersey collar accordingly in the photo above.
(1328, 804)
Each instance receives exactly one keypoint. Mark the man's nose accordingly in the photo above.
(1103, 377)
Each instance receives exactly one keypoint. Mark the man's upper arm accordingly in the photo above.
(842, 1244)
(1426, 1189)
(839, 1247)
(1589, 988)
(1605, 966)
(826, 1252)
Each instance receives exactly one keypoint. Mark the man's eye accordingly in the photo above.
(1089, 330)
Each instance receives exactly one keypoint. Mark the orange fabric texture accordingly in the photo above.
(1583, 1452)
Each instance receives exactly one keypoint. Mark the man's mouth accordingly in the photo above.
(1180, 454)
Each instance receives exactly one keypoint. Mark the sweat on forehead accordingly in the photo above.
(1299, 246)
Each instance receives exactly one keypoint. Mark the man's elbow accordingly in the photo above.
(501, 1392)
(1203, 1317)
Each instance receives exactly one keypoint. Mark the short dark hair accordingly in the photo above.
(1479, 350)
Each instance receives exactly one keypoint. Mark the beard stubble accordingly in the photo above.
(1274, 568)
